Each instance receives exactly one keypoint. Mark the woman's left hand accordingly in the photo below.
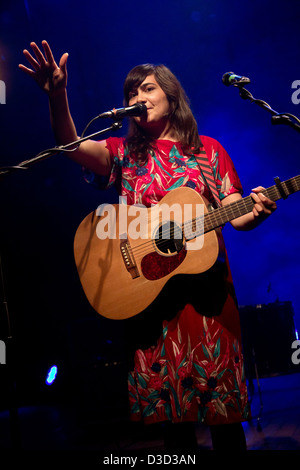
(263, 206)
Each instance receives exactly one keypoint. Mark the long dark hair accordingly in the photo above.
(180, 114)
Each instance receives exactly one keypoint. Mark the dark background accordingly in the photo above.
(52, 322)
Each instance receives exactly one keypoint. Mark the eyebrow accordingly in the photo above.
(146, 84)
(142, 85)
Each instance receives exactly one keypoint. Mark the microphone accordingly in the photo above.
(230, 78)
(117, 114)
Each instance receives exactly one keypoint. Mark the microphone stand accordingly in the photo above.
(53, 151)
(10, 356)
(277, 118)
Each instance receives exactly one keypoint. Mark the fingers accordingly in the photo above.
(48, 53)
(50, 77)
(63, 62)
(263, 206)
(38, 53)
(26, 70)
(40, 60)
(258, 189)
(35, 65)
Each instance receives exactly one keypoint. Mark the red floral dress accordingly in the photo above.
(184, 351)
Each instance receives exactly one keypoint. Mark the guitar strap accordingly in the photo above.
(206, 171)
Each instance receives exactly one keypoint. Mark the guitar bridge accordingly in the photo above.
(128, 258)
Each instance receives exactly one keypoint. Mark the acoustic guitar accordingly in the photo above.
(125, 254)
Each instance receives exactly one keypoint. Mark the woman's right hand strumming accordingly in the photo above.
(50, 77)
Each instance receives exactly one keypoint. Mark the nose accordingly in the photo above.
(141, 97)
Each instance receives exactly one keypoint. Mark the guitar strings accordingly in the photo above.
(213, 219)
(217, 220)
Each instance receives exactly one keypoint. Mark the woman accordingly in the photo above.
(185, 360)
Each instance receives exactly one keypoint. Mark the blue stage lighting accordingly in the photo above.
(51, 376)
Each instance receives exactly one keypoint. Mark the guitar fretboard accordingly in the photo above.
(218, 217)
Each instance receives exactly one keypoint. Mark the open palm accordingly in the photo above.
(50, 77)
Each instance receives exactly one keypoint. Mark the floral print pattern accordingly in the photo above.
(166, 168)
(185, 378)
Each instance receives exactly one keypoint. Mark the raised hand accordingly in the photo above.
(50, 77)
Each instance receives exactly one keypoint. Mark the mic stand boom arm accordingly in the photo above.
(277, 118)
(55, 150)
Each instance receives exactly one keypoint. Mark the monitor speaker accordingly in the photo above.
(268, 331)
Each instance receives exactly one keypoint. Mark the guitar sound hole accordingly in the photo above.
(168, 238)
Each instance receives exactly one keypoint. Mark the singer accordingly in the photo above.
(185, 362)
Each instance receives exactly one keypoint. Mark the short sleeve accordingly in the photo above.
(115, 145)
(225, 174)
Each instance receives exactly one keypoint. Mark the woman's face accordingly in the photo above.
(151, 94)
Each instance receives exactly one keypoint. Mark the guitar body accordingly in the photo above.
(121, 276)
(123, 273)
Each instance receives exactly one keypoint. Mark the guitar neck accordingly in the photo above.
(222, 215)
(219, 217)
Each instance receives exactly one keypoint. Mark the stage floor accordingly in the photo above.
(59, 427)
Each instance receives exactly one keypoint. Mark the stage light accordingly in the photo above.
(51, 376)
